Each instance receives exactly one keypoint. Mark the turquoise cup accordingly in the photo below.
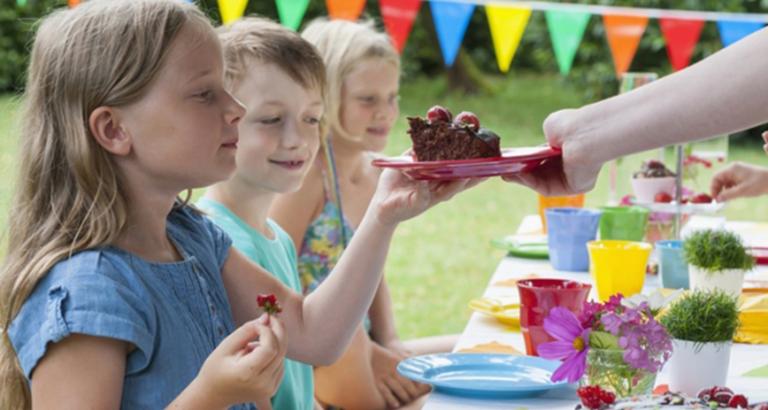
(673, 268)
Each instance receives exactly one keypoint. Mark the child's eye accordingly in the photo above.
(270, 120)
(367, 100)
(206, 95)
(313, 120)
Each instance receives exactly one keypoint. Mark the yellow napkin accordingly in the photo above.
(753, 315)
(492, 347)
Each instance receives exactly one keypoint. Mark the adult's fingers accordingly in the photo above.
(735, 191)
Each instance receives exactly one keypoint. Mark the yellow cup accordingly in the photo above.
(618, 266)
(573, 201)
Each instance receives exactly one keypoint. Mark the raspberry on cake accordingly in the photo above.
(438, 137)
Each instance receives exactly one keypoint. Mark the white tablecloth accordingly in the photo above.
(483, 329)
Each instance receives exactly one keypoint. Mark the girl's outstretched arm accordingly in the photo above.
(319, 326)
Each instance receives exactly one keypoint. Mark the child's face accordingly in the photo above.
(280, 133)
(369, 102)
(184, 129)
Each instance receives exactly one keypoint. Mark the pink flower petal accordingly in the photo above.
(562, 324)
(555, 350)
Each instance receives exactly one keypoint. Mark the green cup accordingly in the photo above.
(625, 223)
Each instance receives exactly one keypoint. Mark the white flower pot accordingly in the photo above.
(729, 281)
(695, 366)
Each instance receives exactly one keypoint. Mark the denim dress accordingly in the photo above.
(173, 314)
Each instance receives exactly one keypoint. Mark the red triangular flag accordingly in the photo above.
(624, 33)
(398, 16)
(681, 36)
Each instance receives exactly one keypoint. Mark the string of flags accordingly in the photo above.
(507, 19)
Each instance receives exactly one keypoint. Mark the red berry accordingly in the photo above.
(738, 401)
(593, 397)
(701, 199)
(722, 397)
(663, 197)
(269, 304)
(438, 113)
(684, 200)
(467, 118)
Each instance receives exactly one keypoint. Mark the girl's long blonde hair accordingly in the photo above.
(343, 44)
(68, 197)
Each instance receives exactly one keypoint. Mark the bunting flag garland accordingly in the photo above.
(451, 21)
(398, 16)
(732, 31)
(345, 9)
(624, 33)
(73, 3)
(681, 36)
(231, 10)
(566, 29)
(291, 12)
(508, 19)
(507, 24)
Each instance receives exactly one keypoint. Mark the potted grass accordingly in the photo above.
(702, 325)
(717, 259)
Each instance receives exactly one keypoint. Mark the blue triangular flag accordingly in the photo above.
(732, 31)
(451, 21)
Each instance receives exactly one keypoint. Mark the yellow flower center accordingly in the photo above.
(578, 344)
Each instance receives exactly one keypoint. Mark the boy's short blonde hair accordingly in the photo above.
(342, 45)
(261, 39)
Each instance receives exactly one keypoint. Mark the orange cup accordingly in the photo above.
(573, 201)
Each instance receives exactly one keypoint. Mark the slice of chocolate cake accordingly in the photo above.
(439, 138)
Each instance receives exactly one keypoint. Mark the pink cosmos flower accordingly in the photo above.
(571, 345)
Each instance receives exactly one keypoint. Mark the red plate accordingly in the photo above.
(511, 161)
(761, 254)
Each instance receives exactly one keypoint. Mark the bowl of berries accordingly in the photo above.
(653, 180)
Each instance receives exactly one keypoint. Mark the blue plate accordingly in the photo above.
(482, 375)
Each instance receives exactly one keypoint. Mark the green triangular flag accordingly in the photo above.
(291, 12)
(21, 3)
(566, 28)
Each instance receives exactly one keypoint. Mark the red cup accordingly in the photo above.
(537, 297)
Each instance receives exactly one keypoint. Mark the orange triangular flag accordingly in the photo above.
(345, 9)
(73, 3)
(624, 33)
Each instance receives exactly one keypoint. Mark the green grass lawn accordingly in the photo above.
(441, 260)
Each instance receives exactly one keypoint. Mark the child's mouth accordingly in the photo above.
(289, 165)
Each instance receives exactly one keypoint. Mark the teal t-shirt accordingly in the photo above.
(277, 256)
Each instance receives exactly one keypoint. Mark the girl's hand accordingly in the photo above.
(399, 197)
(577, 170)
(394, 388)
(765, 138)
(247, 366)
(739, 180)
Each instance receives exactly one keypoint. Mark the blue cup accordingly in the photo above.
(673, 268)
(568, 231)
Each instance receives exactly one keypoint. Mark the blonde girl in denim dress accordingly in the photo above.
(115, 293)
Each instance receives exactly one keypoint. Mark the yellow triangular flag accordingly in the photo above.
(507, 25)
(232, 10)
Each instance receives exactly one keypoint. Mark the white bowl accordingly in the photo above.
(646, 188)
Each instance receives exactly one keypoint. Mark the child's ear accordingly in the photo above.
(108, 132)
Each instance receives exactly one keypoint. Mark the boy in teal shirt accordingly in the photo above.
(280, 78)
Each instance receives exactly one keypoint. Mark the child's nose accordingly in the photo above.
(235, 110)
